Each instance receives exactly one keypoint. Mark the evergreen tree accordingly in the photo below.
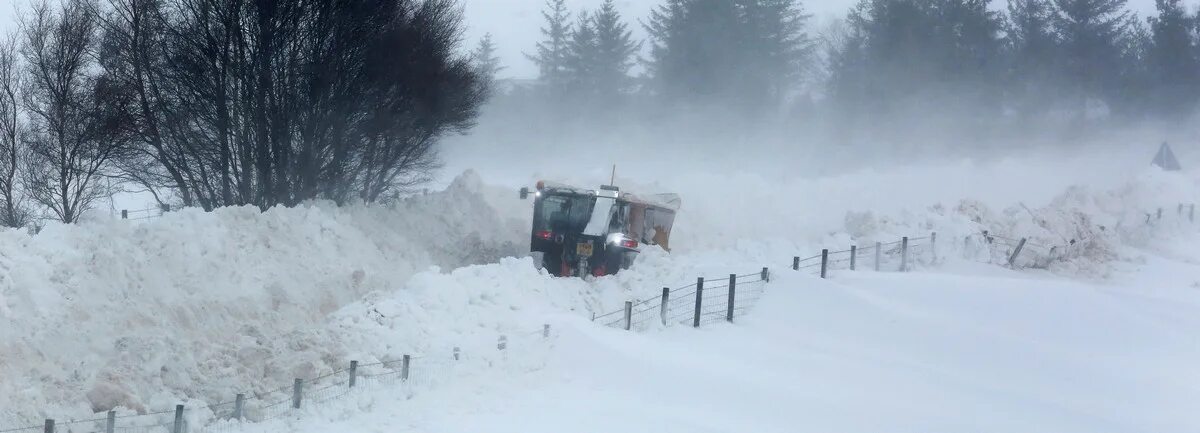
(1171, 59)
(1032, 52)
(553, 51)
(1091, 32)
(615, 54)
(486, 61)
(581, 58)
(742, 53)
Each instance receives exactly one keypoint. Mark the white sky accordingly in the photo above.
(514, 23)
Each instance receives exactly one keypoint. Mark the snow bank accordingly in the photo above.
(199, 305)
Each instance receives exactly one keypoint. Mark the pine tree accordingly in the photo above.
(553, 51)
(485, 59)
(1091, 33)
(1172, 62)
(581, 58)
(616, 52)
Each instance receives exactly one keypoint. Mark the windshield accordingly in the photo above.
(565, 214)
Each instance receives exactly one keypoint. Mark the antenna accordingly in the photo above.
(613, 180)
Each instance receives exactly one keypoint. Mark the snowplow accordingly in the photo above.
(596, 232)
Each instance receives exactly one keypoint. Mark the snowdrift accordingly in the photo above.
(199, 306)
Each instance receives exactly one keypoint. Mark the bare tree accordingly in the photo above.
(72, 133)
(14, 211)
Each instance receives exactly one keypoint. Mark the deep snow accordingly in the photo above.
(195, 307)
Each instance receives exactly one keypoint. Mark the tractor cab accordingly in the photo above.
(582, 232)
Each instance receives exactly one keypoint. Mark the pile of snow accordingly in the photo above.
(203, 305)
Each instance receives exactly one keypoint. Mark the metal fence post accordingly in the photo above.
(853, 256)
(878, 254)
(405, 363)
(110, 424)
(297, 393)
(662, 308)
(933, 245)
(699, 301)
(796, 263)
(1012, 260)
(353, 373)
(732, 297)
(239, 407)
(765, 276)
(824, 262)
(49, 426)
(178, 427)
(904, 254)
(457, 353)
(628, 315)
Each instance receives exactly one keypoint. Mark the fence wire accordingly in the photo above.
(680, 308)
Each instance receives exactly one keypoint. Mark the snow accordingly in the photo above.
(195, 307)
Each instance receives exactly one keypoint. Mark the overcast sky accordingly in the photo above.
(514, 23)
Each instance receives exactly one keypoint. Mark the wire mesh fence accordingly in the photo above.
(703, 302)
(409, 375)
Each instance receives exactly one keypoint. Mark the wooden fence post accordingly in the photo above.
(628, 315)
(502, 343)
(766, 275)
(933, 245)
(239, 407)
(663, 305)
(178, 427)
(297, 393)
(1012, 260)
(110, 424)
(853, 256)
(824, 262)
(457, 353)
(546, 331)
(878, 254)
(732, 297)
(353, 373)
(699, 301)
(796, 263)
(124, 214)
(49, 426)
(904, 254)
(405, 363)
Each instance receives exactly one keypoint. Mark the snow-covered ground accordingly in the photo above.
(967, 347)
(195, 307)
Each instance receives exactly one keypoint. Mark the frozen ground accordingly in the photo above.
(195, 307)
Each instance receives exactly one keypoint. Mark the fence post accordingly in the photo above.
(904, 254)
(796, 263)
(404, 365)
(699, 301)
(933, 245)
(178, 427)
(824, 262)
(878, 254)
(1160, 214)
(1012, 260)
(628, 315)
(732, 297)
(546, 331)
(853, 256)
(662, 308)
(502, 343)
(1192, 213)
(457, 353)
(297, 393)
(124, 214)
(766, 275)
(239, 407)
(353, 373)
(110, 424)
(49, 426)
